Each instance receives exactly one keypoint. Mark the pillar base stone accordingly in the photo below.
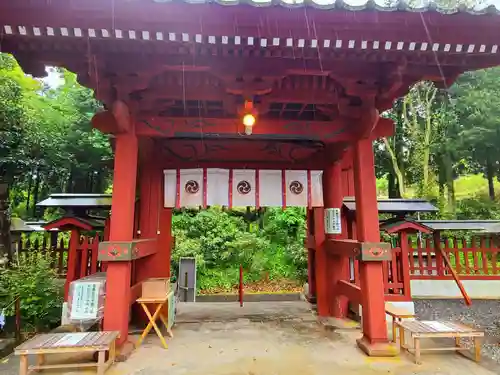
(379, 349)
(338, 324)
(124, 351)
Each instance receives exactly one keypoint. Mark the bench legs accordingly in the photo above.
(101, 363)
(23, 366)
(477, 348)
(416, 345)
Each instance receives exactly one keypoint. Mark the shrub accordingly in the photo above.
(40, 292)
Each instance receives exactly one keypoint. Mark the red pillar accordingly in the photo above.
(311, 275)
(338, 266)
(118, 279)
(320, 263)
(374, 341)
(71, 274)
(150, 185)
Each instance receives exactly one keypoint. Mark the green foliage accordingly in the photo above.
(220, 242)
(40, 292)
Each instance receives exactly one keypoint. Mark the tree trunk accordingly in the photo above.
(450, 182)
(35, 191)
(490, 176)
(395, 167)
(28, 198)
(393, 188)
(5, 244)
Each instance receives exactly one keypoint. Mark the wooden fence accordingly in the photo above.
(477, 258)
(56, 247)
(86, 262)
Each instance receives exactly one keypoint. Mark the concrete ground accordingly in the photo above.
(266, 338)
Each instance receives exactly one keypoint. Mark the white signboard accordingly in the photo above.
(71, 339)
(332, 221)
(84, 304)
(440, 327)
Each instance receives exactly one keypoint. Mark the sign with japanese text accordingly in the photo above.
(85, 300)
(332, 221)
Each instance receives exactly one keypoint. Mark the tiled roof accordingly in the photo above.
(77, 200)
(395, 206)
(370, 5)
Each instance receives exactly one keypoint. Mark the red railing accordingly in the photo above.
(396, 275)
(86, 257)
(474, 259)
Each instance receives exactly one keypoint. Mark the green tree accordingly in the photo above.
(477, 101)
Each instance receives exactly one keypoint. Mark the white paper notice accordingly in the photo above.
(438, 326)
(332, 221)
(70, 339)
(85, 301)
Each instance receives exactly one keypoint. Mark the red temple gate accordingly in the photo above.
(177, 79)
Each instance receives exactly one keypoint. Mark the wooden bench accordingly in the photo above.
(438, 329)
(397, 314)
(68, 343)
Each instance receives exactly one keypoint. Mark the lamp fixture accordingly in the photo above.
(249, 116)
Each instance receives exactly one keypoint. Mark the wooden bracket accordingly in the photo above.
(375, 251)
(119, 251)
(365, 251)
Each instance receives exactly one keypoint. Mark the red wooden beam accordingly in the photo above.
(68, 223)
(183, 17)
(337, 130)
(344, 247)
(351, 291)
(178, 127)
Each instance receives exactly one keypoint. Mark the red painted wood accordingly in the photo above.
(204, 187)
(405, 265)
(494, 257)
(283, 188)
(484, 257)
(309, 189)
(71, 274)
(367, 221)
(67, 223)
(93, 259)
(462, 277)
(393, 266)
(230, 189)
(338, 265)
(439, 257)
(183, 17)
(385, 275)
(337, 130)
(257, 189)
(475, 255)
(352, 291)
(165, 242)
(241, 286)
(116, 312)
(465, 251)
(321, 263)
(178, 188)
(420, 257)
(84, 256)
(311, 248)
(429, 254)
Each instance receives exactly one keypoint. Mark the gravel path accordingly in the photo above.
(483, 313)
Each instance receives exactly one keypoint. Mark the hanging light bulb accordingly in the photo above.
(248, 121)
(249, 117)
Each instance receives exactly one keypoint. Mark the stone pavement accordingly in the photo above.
(285, 340)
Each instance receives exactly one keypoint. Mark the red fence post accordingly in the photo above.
(93, 254)
(74, 241)
(439, 257)
(405, 264)
(241, 286)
